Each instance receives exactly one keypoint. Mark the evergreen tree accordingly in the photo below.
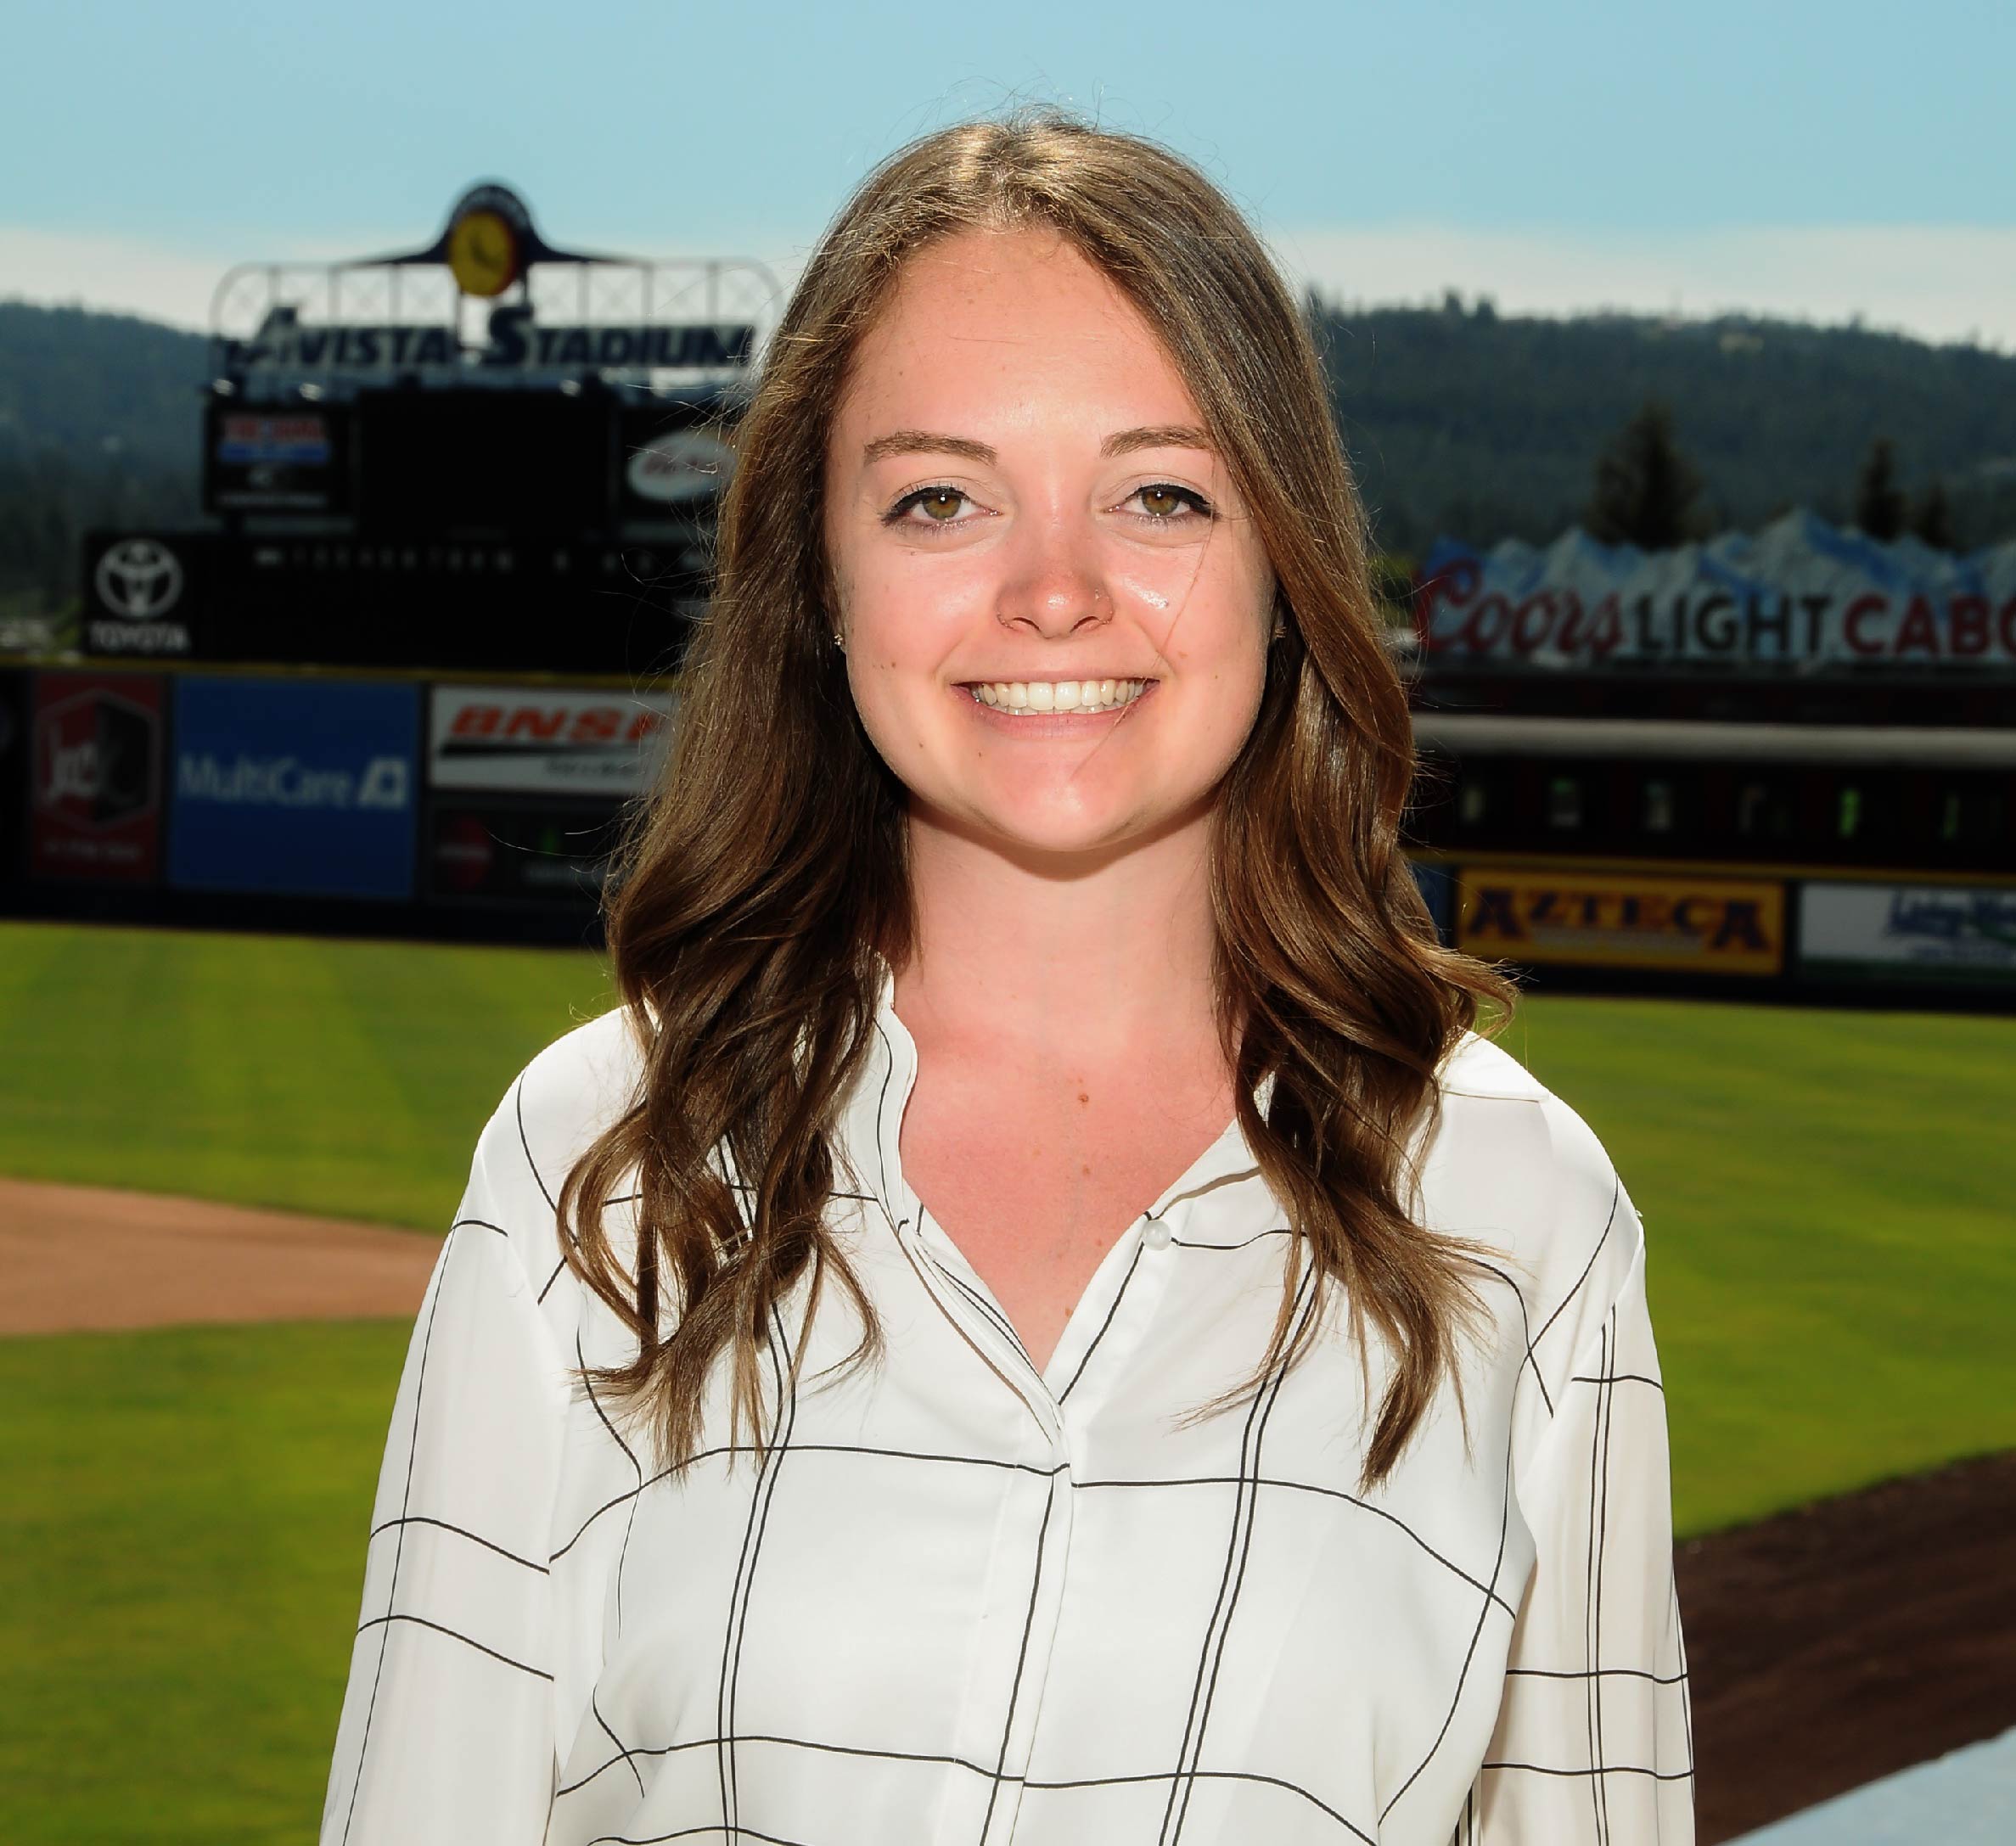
(1932, 519)
(1646, 490)
(1879, 506)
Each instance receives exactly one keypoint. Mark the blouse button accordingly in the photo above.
(1158, 1234)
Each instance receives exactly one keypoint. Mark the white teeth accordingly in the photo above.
(1059, 695)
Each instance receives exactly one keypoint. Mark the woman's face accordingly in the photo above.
(1055, 607)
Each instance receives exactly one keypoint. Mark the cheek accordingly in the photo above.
(906, 615)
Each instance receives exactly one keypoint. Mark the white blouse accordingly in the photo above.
(965, 1601)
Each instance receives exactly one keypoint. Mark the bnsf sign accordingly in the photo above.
(552, 743)
(548, 724)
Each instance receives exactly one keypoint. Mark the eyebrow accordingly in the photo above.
(1175, 435)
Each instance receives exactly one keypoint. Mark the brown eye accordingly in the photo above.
(1165, 503)
(941, 503)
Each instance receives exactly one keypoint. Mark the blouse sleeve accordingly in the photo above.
(1594, 1740)
(447, 1729)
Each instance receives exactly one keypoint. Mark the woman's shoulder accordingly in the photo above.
(1497, 1115)
(575, 1087)
(550, 1113)
(1514, 1164)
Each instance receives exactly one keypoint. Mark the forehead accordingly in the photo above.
(1002, 327)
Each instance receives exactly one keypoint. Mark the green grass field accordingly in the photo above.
(1826, 1200)
(181, 1559)
(348, 1079)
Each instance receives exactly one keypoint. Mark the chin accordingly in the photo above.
(1074, 830)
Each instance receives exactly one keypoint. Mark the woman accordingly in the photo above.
(1037, 1318)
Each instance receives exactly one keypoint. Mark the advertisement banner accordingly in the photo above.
(532, 852)
(1914, 932)
(301, 786)
(265, 459)
(1800, 592)
(539, 740)
(675, 463)
(94, 801)
(514, 343)
(143, 592)
(1605, 919)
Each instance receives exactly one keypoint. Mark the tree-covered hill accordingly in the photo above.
(99, 425)
(1461, 421)
(1480, 426)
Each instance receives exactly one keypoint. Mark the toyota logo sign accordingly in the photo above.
(139, 578)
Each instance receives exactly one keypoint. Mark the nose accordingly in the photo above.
(1054, 586)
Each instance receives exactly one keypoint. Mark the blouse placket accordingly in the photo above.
(1062, 1399)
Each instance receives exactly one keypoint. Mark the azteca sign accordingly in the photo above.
(1800, 591)
(532, 740)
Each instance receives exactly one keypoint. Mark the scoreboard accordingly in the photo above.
(489, 452)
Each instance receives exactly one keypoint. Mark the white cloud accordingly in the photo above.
(118, 273)
(1940, 283)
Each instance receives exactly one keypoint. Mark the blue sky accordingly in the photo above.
(1814, 159)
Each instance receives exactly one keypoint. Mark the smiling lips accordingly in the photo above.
(1028, 697)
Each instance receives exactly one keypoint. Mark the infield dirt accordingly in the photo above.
(1828, 1646)
(75, 1258)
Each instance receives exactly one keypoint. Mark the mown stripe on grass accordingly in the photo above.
(182, 1548)
(348, 1079)
(1827, 1204)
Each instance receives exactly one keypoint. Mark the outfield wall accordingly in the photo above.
(384, 804)
(488, 807)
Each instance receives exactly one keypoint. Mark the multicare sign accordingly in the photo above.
(305, 786)
(1955, 933)
(94, 800)
(1604, 919)
(540, 740)
(1800, 591)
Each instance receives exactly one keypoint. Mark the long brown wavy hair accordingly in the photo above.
(767, 880)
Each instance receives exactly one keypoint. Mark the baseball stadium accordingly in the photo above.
(300, 853)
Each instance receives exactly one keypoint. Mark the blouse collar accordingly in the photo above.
(1224, 1182)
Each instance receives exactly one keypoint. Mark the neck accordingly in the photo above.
(1094, 959)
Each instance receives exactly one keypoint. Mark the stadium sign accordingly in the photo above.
(488, 298)
(94, 794)
(299, 787)
(537, 740)
(1605, 919)
(1801, 592)
(1964, 935)
(515, 343)
(556, 854)
(141, 593)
